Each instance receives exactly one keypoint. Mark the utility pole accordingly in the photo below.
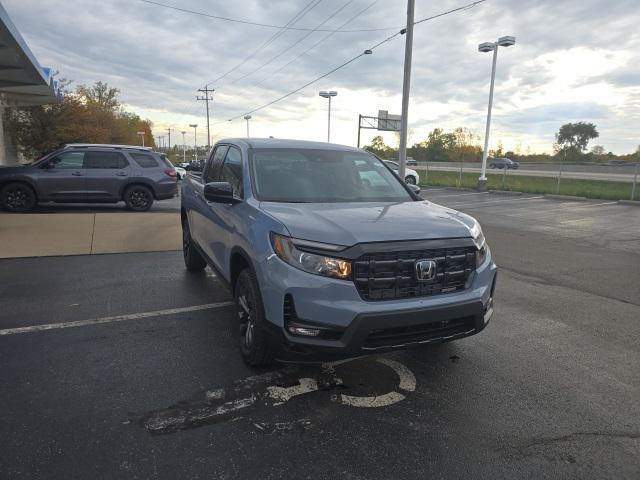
(207, 98)
(406, 85)
(184, 148)
(169, 141)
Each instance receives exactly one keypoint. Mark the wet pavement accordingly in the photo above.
(127, 366)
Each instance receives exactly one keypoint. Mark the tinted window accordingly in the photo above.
(96, 159)
(211, 171)
(72, 160)
(145, 160)
(316, 176)
(232, 171)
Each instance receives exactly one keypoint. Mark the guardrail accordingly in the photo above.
(591, 180)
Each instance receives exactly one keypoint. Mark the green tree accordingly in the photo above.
(88, 115)
(597, 150)
(574, 137)
(99, 95)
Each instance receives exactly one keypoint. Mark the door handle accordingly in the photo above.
(121, 174)
(76, 174)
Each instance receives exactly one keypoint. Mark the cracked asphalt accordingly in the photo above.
(549, 389)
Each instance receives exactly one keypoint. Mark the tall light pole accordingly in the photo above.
(328, 95)
(247, 118)
(184, 148)
(195, 138)
(491, 47)
(142, 136)
(169, 141)
(406, 86)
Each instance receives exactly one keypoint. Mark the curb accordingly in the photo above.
(564, 197)
(505, 192)
(630, 202)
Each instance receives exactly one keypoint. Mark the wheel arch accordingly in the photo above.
(238, 261)
(138, 182)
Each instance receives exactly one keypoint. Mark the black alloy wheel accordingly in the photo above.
(138, 198)
(18, 197)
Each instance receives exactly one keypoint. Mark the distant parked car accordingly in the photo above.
(180, 172)
(503, 163)
(412, 161)
(411, 177)
(89, 173)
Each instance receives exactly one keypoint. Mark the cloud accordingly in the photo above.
(574, 60)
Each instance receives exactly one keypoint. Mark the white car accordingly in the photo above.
(181, 172)
(410, 176)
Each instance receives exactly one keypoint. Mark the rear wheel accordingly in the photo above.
(253, 341)
(192, 258)
(18, 197)
(138, 198)
(410, 179)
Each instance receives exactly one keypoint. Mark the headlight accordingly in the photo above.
(481, 244)
(310, 262)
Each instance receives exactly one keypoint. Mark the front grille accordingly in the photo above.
(391, 275)
(398, 336)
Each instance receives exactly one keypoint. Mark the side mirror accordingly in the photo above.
(220, 192)
(414, 188)
(48, 165)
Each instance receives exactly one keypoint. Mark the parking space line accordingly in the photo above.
(506, 200)
(462, 194)
(114, 319)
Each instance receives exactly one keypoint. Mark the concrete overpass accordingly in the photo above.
(23, 82)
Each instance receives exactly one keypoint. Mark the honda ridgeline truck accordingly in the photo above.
(329, 254)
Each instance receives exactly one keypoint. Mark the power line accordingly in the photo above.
(366, 52)
(257, 24)
(310, 6)
(322, 40)
(297, 42)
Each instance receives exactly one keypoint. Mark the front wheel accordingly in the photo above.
(253, 341)
(410, 180)
(18, 197)
(138, 198)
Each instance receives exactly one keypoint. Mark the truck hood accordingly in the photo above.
(351, 223)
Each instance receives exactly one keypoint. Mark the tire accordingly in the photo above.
(192, 258)
(138, 198)
(253, 338)
(18, 197)
(410, 180)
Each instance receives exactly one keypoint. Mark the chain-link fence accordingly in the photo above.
(617, 181)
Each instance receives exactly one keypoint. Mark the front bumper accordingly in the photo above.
(356, 327)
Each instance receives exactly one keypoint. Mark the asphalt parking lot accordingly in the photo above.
(126, 366)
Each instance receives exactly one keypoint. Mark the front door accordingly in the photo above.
(107, 174)
(63, 178)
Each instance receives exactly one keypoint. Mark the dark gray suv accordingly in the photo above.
(88, 173)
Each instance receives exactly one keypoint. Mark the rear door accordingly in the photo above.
(63, 178)
(107, 174)
(200, 213)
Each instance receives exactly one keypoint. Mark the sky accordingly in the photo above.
(574, 60)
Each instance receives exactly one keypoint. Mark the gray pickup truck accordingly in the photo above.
(329, 254)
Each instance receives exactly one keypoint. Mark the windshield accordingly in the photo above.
(319, 176)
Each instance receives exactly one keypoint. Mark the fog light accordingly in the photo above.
(305, 332)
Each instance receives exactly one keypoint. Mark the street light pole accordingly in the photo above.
(195, 138)
(328, 95)
(184, 148)
(406, 86)
(488, 47)
(247, 118)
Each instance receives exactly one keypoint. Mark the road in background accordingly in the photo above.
(579, 172)
(548, 390)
